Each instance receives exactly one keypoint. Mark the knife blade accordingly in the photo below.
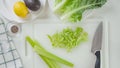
(97, 44)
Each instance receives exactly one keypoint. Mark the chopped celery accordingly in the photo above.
(68, 38)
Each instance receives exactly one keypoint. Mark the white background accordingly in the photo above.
(111, 12)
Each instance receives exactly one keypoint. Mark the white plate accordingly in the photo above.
(6, 10)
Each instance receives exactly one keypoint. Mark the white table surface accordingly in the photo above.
(111, 12)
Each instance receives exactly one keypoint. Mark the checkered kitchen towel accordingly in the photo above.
(9, 57)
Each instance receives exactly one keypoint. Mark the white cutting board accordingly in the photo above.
(80, 56)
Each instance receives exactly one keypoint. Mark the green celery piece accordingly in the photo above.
(28, 39)
(34, 43)
(52, 56)
(68, 38)
(49, 62)
(41, 51)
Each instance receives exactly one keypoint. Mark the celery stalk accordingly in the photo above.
(31, 42)
(42, 52)
(49, 62)
(52, 56)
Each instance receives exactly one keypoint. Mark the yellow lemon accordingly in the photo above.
(20, 9)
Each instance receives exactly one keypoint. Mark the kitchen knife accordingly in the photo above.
(97, 44)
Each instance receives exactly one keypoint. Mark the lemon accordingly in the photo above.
(20, 9)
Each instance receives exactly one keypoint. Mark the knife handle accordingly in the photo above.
(97, 64)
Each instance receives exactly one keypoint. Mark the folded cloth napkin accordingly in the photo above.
(9, 57)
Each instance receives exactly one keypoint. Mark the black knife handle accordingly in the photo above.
(97, 64)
